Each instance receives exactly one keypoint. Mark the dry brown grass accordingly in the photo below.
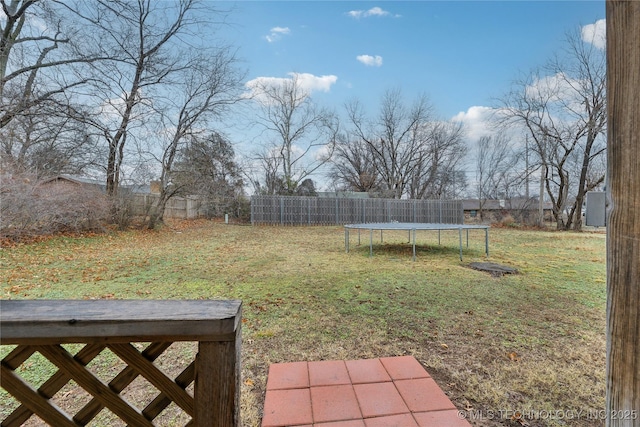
(527, 342)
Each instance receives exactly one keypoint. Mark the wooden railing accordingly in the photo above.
(42, 326)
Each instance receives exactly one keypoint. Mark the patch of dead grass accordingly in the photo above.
(531, 341)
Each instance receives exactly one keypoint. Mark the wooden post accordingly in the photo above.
(623, 230)
(217, 383)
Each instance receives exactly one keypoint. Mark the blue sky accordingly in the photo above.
(461, 54)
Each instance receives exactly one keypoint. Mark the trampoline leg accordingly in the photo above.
(370, 243)
(486, 241)
(467, 239)
(358, 237)
(438, 237)
(346, 240)
(460, 240)
(414, 244)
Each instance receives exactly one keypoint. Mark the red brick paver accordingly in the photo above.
(384, 392)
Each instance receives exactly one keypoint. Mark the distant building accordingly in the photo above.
(520, 208)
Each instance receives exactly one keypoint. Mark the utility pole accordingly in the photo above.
(526, 171)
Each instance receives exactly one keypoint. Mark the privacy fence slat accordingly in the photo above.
(177, 207)
(294, 210)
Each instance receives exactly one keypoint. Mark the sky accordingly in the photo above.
(462, 55)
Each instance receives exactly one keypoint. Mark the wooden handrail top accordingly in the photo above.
(76, 321)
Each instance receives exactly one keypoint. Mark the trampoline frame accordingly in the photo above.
(411, 228)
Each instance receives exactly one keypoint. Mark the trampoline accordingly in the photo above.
(411, 228)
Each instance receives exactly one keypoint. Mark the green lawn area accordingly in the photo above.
(529, 342)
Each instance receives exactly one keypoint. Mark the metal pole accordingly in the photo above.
(486, 241)
(371, 242)
(346, 239)
(460, 240)
(467, 238)
(414, 244)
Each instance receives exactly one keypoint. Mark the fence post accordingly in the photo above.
(217, 384)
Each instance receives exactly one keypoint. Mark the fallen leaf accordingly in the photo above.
(513, 356)
(443, 345)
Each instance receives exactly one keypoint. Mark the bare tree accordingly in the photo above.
(40, 59)
(43, 68)
(410, 153)
(494, 163)
(352, 166)
(209, 86)
(437, 173)
(394, 139)
(304, 135)
(564, 112)
(147, 43)
(264, 171)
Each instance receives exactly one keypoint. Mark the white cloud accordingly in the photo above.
(595, 33)
(323, 153)
(479, 121)
(476, 121)
(370, 61)
(558, 87)
(312, 83)
(374, 11)
(306, 81)
(276, 33)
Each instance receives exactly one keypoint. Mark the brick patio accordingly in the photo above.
(384, 392)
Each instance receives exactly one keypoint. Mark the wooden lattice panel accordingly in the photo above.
(103, 371)
(104, 395)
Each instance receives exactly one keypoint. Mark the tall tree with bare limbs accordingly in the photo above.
(148, 44)
(205, 89)
(437, 173)
(302, 135)
(562, 107)
(495, 167)
(408, 152)
(395, 137)
(44, 69)
(352, 167)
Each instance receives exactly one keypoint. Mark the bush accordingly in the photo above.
(30, 208)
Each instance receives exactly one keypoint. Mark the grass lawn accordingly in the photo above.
(532, 342)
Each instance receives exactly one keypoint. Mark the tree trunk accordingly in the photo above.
(623, 239)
